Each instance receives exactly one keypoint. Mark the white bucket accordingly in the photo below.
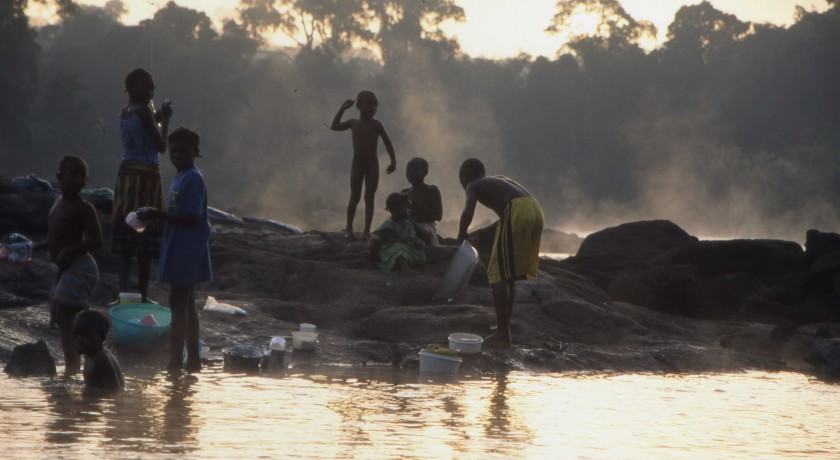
(304, 340)
(465, 343)
(130, 297)
(458, 272)
(433, 362)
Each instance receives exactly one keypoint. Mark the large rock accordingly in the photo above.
(626, 247)
(31, 360)
(770, 260)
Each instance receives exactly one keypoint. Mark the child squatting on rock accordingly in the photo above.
(426, 204)
(394, 243)
(102, 371)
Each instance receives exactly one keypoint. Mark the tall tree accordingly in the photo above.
(614, 27)
(701, 33)
(18, 74)
(330, 26)
(404, 25)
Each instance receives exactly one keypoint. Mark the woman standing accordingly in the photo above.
(143, 133)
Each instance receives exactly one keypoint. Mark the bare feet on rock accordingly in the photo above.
(348, 235)
(496, 340)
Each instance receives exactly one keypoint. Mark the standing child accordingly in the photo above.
(516, 248)
(395, 242)
(102, 371)
(426, 204)
(185, 251)
(138, 181)
(73, 231)
(365, 167)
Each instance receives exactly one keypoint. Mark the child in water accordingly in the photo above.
(185, 251)
(426, 203)
(73, 231)
(365, 167)
(394, 242)
(102, 371)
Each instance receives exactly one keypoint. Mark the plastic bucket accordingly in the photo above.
(129, 331)
(465, 343)
(441, 364)
(242, 358)
(130, 297)
(276, 361)
(458, 272)
(304, 340)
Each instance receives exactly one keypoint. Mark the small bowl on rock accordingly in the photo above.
(465, 343)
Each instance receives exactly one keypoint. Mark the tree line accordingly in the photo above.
(730, 127)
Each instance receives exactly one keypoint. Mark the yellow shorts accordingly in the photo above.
(516, 249)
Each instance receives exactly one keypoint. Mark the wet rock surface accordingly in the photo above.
(644, 296)
(31, 360)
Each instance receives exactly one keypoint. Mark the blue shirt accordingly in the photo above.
(185, 250)
(136, 144)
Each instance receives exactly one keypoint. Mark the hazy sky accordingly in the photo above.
(504, 28)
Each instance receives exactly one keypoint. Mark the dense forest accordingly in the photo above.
(730, 128)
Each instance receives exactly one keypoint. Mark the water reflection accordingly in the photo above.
(352, 413)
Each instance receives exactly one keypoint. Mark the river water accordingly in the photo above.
(340, 412)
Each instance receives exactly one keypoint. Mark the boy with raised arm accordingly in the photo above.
(516, 247)
(365, 166)
(72, 233)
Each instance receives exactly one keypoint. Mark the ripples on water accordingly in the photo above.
(385, 413)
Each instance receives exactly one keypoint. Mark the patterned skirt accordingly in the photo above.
(138, 185)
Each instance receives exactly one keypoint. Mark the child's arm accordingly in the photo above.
(92, 238)
(337, 124)
(147, 118)
(191, 203)
(467, 214)
(389, 147)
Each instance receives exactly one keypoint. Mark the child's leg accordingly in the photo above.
(371, 184)
(178, 305)
(403, 268)
(144, 268)
(125, 270)
(502, 297)
(65, 316)
(356, 177)
(193, 360)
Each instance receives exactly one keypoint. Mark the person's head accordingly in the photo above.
(72, 174)
(416, 170)
(90, 328)
(397, 204)
(471, 169)
(140, 86)
(183, 148)
(367, 103)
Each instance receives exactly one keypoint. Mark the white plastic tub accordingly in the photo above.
(304, 340)
(306, 327)
(465, 343)
(130, 297)
(435, 363)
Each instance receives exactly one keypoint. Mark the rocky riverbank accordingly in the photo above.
(639, 297)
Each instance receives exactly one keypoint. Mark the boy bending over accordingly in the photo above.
(516, 248)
